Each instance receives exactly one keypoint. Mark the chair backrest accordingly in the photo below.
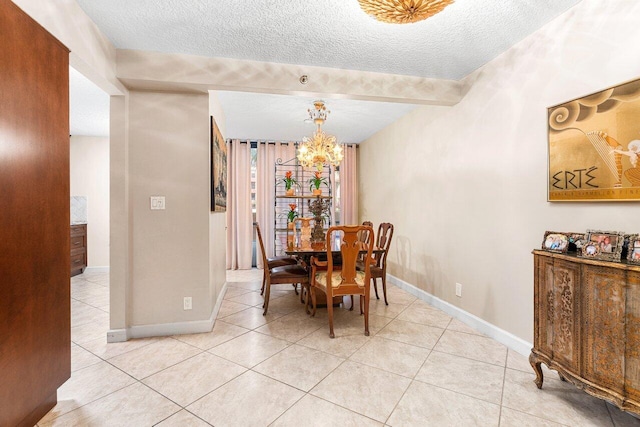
(262, 251)
(364, 236)
(350, 247)
(385, 234)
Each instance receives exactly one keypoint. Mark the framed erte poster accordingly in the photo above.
(218, 169)
(594, 144)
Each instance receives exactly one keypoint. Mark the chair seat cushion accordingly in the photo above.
(280, 261)
(286, 272)
(336, 279)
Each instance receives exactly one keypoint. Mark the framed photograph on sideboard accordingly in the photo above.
(604, 245)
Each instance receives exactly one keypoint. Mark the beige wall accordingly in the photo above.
(141, 241)
(89, 170)
(217, 220)
(465, 185)
(169, 156)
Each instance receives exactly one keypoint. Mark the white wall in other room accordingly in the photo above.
(89, 164)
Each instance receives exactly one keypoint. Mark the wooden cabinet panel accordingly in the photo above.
(604, 325)
(566, 309)
(589, 311)
(632, 353)
(544, 305)
(35, 320)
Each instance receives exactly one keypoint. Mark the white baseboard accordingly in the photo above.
(511, 341)
(104, 269)
(168, 329)
(117, 335)
(216, 308)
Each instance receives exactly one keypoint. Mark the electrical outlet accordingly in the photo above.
(187, 303)
(157, 203)
(458, 289)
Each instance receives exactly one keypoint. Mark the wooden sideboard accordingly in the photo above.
(78, 249)
(587, 325)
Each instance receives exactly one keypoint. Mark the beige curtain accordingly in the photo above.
(349, 185)
(268, 154)
(239, 217)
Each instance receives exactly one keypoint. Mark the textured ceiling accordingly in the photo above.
(252, 116)
(88, 107)
(326, 33)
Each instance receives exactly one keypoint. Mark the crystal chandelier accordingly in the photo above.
(321, 148)
(402, 11)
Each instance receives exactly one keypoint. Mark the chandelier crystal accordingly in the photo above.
(321, 148)
(402, 11)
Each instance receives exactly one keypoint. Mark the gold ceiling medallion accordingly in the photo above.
(321, 148)
(403, 11)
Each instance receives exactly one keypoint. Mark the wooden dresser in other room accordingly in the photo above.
(78, 249)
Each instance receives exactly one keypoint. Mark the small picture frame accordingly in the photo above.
(590, 250)
(555, 242)
(633, 253)
(608, 245)
(576, 242)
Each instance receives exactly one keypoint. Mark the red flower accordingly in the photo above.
(288, 175)
(292, 206)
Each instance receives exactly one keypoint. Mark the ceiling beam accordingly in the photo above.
(177, 72)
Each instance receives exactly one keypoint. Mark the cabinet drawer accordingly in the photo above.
(78, 261)
(78, 242)
(79, 230)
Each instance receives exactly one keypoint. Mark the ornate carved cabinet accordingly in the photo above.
(587, 325)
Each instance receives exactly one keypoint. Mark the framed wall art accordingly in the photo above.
(218, 169)
(594, 144)
(633, 254)
(604, 245)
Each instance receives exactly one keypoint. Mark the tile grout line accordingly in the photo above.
(504, 380)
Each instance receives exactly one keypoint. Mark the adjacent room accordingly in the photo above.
(331, 212)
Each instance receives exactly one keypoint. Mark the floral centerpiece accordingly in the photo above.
(289, 182)
(316, 182)
(292, 214)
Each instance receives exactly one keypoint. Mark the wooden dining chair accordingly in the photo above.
(345, 279)
(277, 261)
(364, 236)
(379, 270)
(279, 274)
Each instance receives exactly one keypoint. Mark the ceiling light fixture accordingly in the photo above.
(321, 148)
(402, 11)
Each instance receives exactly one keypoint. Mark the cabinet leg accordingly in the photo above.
(535, 364)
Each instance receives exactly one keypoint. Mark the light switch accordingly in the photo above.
(157, 203)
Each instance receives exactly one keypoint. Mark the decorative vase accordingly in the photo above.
(290, 192)
(305, 233)
(290, 235)
(317, 192)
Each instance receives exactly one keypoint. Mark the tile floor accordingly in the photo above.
(419, 367)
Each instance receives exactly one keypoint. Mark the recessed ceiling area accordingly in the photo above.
(256, 116)
(88, 107)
